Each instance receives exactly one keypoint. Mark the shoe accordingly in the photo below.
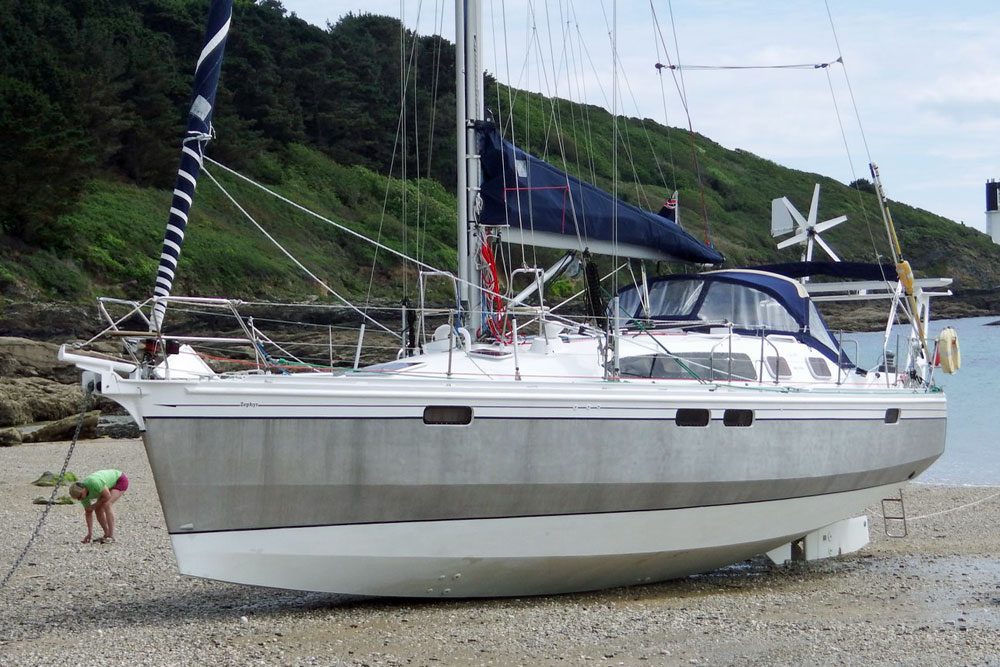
(105, 540)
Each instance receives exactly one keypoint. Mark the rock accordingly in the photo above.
(10, 437)
(20, 357)
(50, 321)
(64, 429)
(35, 399)
(117, 427)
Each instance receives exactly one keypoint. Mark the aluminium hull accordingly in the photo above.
(343, 487)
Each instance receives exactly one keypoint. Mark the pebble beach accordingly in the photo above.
(930, 598)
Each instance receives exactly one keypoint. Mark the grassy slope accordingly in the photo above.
(118, 227)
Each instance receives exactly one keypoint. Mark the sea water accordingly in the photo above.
(972, 449)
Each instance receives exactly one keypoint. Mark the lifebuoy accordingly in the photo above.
(948, 352)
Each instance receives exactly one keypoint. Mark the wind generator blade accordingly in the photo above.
(827, 224)
(814, 205)
(795, 213)
(828, 249)
(792, 240)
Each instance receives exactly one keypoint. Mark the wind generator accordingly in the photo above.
(785, 217)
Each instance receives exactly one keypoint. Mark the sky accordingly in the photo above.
(923, 77)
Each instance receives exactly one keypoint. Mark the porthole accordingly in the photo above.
(892, 415)
(819, 369)
(778, 367)
(452, 415)
(737, 417)
(692, 417)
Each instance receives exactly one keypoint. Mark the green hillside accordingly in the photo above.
(92, 102)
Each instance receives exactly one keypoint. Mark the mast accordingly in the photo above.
(199, 132)
(468, 109)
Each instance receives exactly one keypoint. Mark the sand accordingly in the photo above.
(932, 598)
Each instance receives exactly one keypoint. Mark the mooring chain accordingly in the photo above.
(55, 489)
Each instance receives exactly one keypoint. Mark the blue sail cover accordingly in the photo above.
(551, 208)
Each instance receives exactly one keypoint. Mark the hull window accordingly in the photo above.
(737, 417)
(692, 417)
(452, 415)
(892, 415)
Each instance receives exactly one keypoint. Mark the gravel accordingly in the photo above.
(932, 598)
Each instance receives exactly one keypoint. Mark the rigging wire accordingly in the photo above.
(906, 307)
(850, 161)
(333, 223)
(682, 94)
(438, 48)
(396, 146)
(666, 115)
(731, 67)
(280, 247)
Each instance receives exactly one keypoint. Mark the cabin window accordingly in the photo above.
(892, 415)
(745, 307)
(453, 415)
(704, 365)
(668, 299)
(692, 417)
(819, 368)
(737, 417)
(674, 298)
(778, 367)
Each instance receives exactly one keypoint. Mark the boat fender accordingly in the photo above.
(905, 274)
(949, 355)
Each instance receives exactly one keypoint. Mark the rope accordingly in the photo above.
(955, 509)
(55, 490)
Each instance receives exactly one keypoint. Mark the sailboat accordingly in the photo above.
(709, 418)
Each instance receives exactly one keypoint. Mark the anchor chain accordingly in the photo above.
(55, 489)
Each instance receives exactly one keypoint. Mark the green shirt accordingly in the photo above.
(96, 482)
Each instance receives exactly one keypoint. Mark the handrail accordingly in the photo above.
(711, 356)
(777, 357)
(422, 283)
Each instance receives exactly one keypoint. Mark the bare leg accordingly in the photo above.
(102, 518)
(109, 514)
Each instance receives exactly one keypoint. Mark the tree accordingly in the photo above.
(42, 165)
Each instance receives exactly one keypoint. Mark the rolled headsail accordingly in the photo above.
(199, 130)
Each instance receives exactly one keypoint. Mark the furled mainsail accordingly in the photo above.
(544, 206)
